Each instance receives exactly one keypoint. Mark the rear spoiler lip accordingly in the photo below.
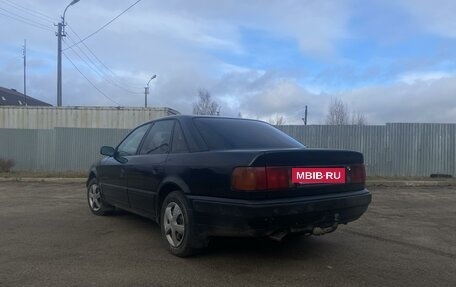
(316, 157)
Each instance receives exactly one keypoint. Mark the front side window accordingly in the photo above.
(158, 138)
(130, 144)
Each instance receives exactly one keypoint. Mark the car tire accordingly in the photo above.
(96, 203)
(178, 227)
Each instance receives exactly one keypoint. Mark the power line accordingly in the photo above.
(102, 27)
(31, 12)
(95, 69)
(92, 66)
(24, 20)
(114, 75)
(37, 20)
(93, 85)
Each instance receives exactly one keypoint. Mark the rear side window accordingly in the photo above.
(158, 138)
(179, 143)
(222, 133)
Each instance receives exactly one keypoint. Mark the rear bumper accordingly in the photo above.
(234, 217)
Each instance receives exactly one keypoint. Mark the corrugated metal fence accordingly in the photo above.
(390, 150)
(397, 149)
(30, 117)
(59, 149)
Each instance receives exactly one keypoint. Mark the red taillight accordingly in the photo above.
(278, 177)
(356, 173)
(260, 178)
(249, 178)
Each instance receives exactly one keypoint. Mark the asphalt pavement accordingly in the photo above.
(48, 237)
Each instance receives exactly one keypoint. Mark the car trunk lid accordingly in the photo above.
(273, 172)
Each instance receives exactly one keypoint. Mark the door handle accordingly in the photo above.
(122, 172)
(157, 170)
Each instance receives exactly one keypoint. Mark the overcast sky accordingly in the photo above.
(393, 61)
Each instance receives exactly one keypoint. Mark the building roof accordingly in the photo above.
(11, 97)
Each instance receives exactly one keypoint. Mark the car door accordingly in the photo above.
(146, 170)
(113, 180)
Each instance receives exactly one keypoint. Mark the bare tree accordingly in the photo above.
(358, 119)
(277, 120)
(205, 104)
(337, 113)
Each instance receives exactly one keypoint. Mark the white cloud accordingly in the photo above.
(317, 25)
(260, 94)
(181, 42)
(413, 77)
(435, 16)
(420, 101)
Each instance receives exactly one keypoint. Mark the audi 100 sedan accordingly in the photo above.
(201, 177)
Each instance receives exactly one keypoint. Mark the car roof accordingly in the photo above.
(189, 117)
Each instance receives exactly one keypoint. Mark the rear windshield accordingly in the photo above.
(222, 133)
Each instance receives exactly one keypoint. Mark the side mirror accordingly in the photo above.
(107, 150)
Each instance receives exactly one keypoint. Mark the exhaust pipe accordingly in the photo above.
(323, 230)
(278, 235)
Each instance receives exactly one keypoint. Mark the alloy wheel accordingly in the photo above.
(94, 197)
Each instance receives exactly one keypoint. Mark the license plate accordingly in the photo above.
(315, 175)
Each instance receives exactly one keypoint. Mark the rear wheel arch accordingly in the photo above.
(177, 219)
(166, 187)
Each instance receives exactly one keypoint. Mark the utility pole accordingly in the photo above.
(24, 54)
(146, 90)
(61, 33)
(304, 119)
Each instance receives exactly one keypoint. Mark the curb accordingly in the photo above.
(43, 179)
(410, 183)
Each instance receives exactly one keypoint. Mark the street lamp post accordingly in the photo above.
(146, 90)
(60, 34)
